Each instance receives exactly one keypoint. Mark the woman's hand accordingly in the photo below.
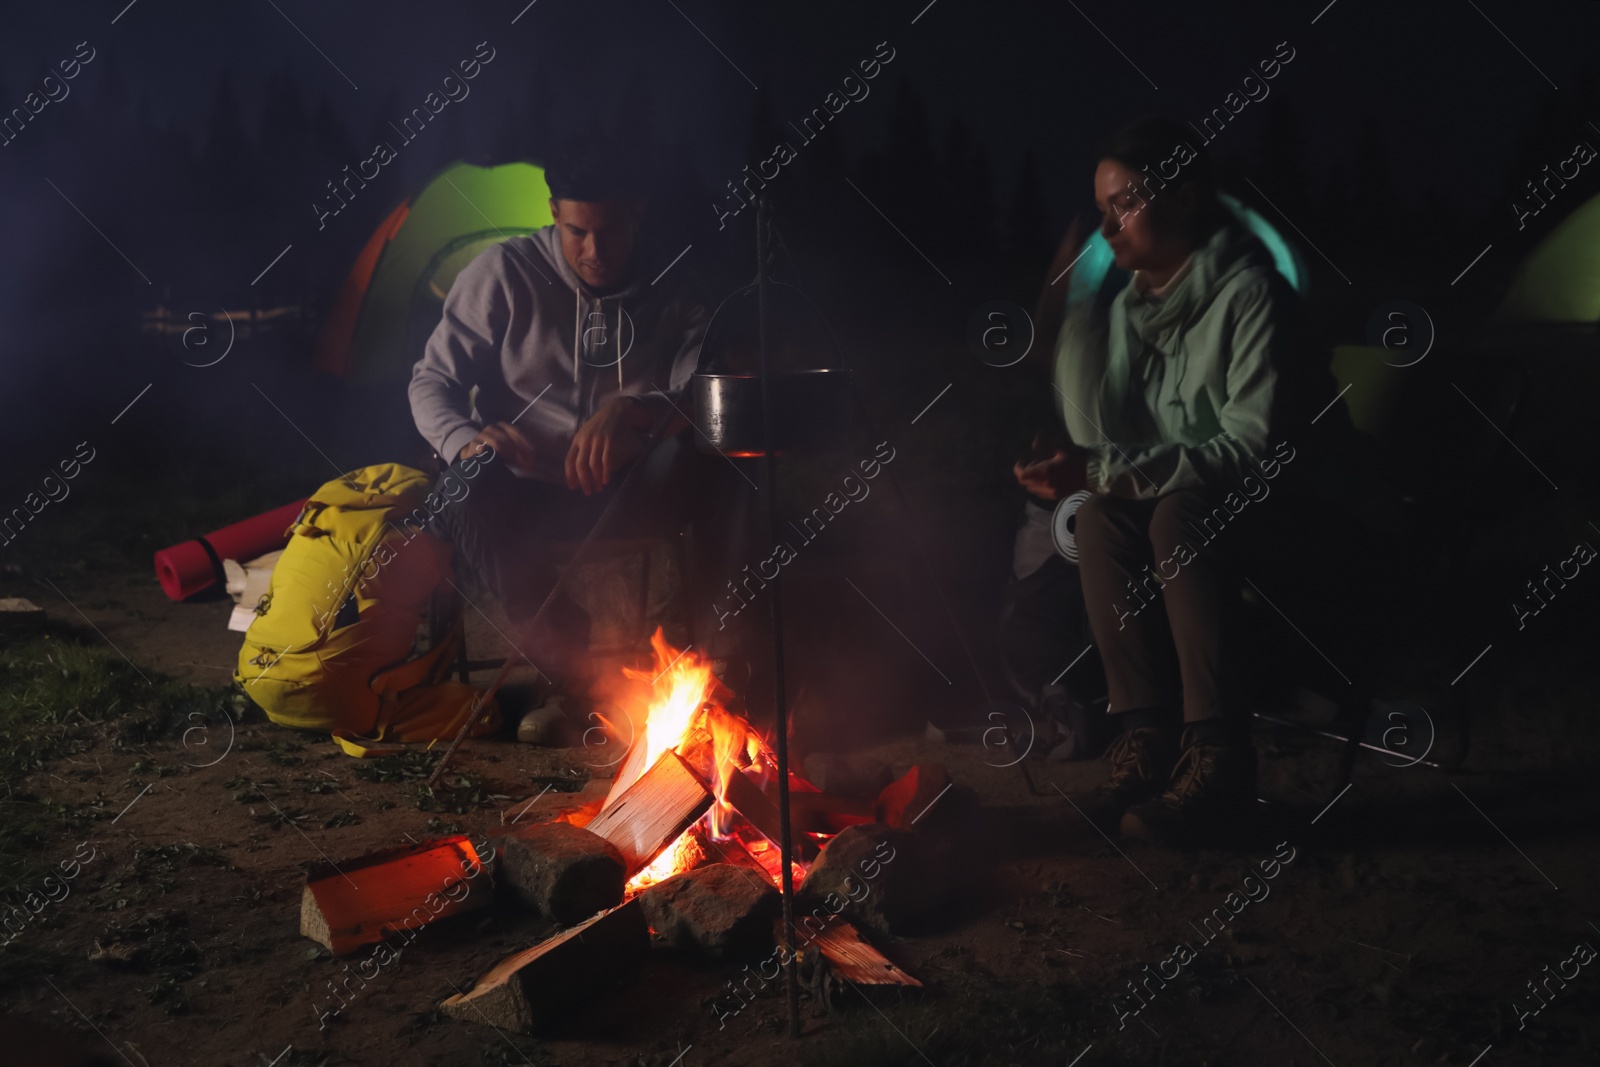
(1056, 476)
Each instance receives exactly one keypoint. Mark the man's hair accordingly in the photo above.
(1144, 144)
(591, 173)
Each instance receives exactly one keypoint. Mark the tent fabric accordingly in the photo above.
(334, 346)
(1096, 275)
(396, 289)
(1559, 281)
(1371, 386)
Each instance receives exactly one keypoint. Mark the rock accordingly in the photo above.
(886, 880)
(722, 910)
(857, 777)
(904, 802)
(566, 872)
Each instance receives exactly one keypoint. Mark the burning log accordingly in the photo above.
(530, 989)
(632, 767)
(729, 850)
(747, 798)
(693, 849)
(360, 902)
(653, 811)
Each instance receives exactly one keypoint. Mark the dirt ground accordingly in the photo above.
(1401, 923)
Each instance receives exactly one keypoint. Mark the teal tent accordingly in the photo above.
(1095, 273)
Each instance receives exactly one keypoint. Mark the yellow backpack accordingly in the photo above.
(331, 645)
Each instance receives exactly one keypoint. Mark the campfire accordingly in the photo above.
(685, 843)
(681, 712)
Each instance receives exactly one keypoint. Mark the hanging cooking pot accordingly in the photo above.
(812, 408)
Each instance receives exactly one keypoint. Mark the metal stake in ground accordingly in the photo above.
(775, 609)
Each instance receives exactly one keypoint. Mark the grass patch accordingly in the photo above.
(61, 696)
(458, 792)
(157, 947)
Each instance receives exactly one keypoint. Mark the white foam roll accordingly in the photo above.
(1061, 525)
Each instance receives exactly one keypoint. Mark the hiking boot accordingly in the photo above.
(1211, 798)
(545, 724)
(1141, 762)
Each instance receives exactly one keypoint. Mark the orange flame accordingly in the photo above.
(678, 690)
(684, 854)
(681, 714)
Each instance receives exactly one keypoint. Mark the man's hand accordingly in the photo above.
(603, 445)
(1056, 476)
(506, 440)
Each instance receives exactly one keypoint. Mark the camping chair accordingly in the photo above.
(446, 605)
(1435, 487)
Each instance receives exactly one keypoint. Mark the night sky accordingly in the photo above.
(1425, 103)
(1446, 83)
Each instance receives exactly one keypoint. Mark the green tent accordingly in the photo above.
(393, 296)
(1559, 281)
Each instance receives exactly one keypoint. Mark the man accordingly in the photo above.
(556, 365)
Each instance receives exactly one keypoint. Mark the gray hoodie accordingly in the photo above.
(541, 349)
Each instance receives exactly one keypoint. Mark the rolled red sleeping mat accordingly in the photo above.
(185, 569)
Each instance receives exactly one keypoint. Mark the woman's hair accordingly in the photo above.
(1146, 144)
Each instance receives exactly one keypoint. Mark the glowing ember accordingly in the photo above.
(684, 854)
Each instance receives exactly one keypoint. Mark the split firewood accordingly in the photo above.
(824, 813)
(906, 800)
(852, 957)
(359, 902)
(836, 950)
(632, 767)
(748, 799)
(528, 990)
(552, 806)
(653, 811)
(729, 850)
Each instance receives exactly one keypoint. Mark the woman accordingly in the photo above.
(1178, 396)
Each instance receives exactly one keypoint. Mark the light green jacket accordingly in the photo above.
(1191, 390)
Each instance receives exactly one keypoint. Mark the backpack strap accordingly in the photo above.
(392, 684)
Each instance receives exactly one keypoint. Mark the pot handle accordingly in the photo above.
(702, 365)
